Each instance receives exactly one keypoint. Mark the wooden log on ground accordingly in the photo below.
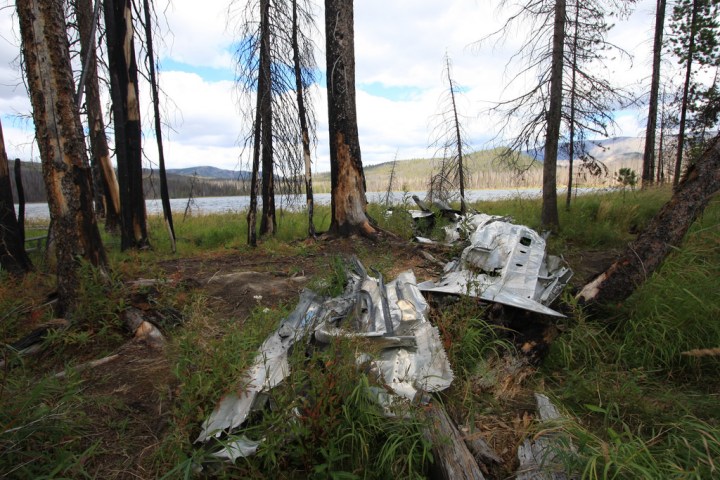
(453, 460)
(663, 234)
(483, 453)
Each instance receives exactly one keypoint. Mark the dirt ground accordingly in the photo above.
(135, 389)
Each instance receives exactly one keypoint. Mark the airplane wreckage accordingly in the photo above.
(503, 263)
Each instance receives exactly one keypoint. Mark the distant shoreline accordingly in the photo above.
(240, 203)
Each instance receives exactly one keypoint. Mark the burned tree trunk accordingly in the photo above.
(20, 194)
(662, 235)
(59, 136)
(458, 142)
(104, 171)
(262, 105)
(649, 152)
(126, 113)
(347, 179)
(302, 113)
(267, 219)
(686, 91)
(164, 193)
(549, 212)
(12, 249)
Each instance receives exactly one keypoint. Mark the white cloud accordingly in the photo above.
(198, 34)
(399, 44)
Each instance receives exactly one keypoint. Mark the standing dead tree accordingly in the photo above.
(62, 147)
(348, 203)
(13, 257)
(536, 118)
(150, 60)
(104, 174)
(275, 58)
(589, 98)
(391, 183)
(304, 67)
(648, 171)
(448, 138)
(119, 33)
(539, 110)
(664, 233)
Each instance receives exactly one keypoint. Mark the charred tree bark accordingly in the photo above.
(686, 92)
(665, 232)
(59, 136)
(262, 98)
(20, 194)
(549, 213)
(348, 200)
(267, 219)
(302, 113)
(126, 113)
(649, 154)
(13, 257)
(102, 167)
(252, 209)
(164, 193)
(573, 97)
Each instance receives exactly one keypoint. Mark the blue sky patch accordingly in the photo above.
(209, 74)
(395, 93)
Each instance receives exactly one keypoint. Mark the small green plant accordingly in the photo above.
(626, 177)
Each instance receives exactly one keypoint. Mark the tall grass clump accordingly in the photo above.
(644, 407)
(609, 219)
(675, 310)
(44, 431)
(687, 448)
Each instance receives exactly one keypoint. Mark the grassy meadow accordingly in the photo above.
(638, 384)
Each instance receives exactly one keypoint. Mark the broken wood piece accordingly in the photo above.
(480, 449)
(88, 365)
(702, 352)
(452, 458)
(142, 329)
(430, 258)
(33, 341)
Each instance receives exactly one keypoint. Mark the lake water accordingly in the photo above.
(206, 205)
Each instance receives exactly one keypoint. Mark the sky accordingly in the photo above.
(400, 47)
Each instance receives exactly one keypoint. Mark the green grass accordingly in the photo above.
(642, 408)
(638, 407)
(43, 427)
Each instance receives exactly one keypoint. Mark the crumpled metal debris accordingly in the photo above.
(268, 370)
(504, 263)
(411, 361)
(539, 457)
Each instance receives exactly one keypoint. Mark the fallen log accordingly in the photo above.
(664, 233)
(453, 460)
(483, 453)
